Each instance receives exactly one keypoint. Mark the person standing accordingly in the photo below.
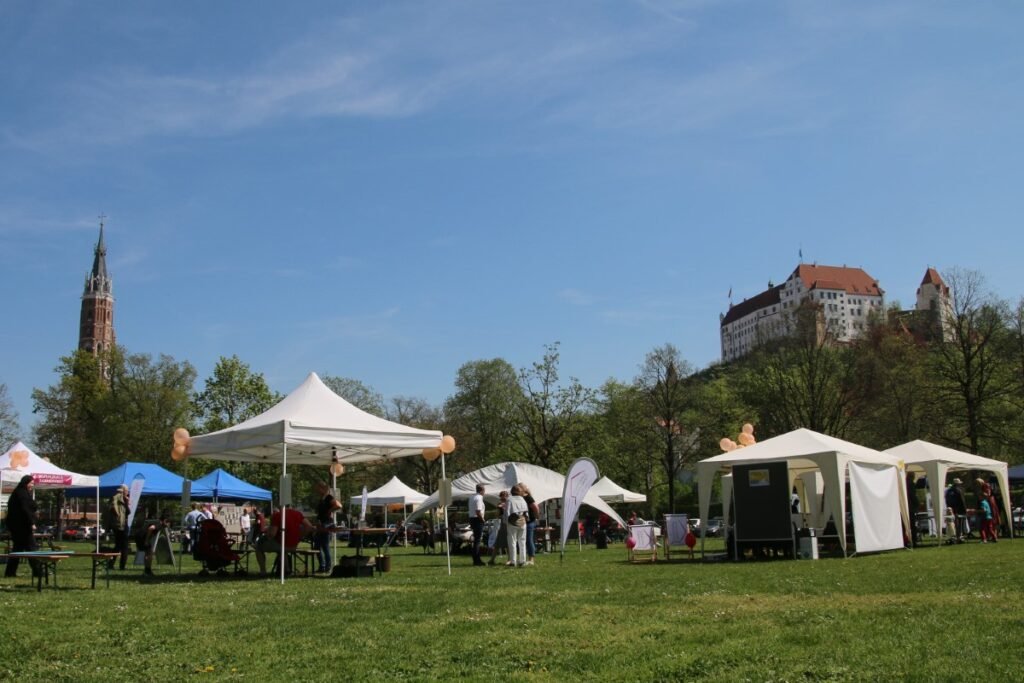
(912, 506)
(21, 523)
(498, 538)
(119, 519)
(955, 500)
(517, 513)
(325, 509)
(533, 514)
(191, 524)
(476, 522)
(245, 524)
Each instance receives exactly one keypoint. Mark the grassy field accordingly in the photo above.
(933, 614)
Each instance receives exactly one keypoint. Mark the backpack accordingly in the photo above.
(513, 518)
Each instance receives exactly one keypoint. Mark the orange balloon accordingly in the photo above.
(727, 445)
(447, 444)
(181, 436)
(178, 452)
(748, 429)
(746, 439)
(337, 469)
(431, 454)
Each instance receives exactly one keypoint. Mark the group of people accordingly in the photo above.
(517, 525)
(987, 513)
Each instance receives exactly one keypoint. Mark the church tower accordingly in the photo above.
(96, 325)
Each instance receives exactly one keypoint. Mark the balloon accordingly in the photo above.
(746, 439)
(181, 436)
(690, 540)
(178, 452)
(337, 469)
(630, 542)
(431, 454)
(748, 429)
(727, 444)
(447, 444)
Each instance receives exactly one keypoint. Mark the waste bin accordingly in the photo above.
(808, 544)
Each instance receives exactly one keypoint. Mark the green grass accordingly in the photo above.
(934, 614)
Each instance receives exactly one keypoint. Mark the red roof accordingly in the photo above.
(766, 298)
(851, 280)
(932, 277)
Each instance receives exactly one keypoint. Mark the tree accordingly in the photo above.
(975, 381)
(232, 394)
(548, 412)
(482, 413)
(801, 381)
(356, 393)
(891, 385)
(625, 447)
(418, 472)
(10, 431)
(110, 408)
(663, 387)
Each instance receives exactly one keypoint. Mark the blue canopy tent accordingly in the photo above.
(1016, 473)
(226, 485)
(159, 482)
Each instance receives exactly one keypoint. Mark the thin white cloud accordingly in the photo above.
(576, 297)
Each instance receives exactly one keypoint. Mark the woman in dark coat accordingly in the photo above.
(21, 522)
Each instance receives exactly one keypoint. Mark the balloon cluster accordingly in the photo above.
(446, 447)
(745, 438)
(182, 445)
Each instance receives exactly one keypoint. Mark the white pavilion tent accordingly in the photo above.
(19, 460)
(806, 451)
(544, 485)
(313, 426)
(610, 492)
(392, 493)
(935, 461)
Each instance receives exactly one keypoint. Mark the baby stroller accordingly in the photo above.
(213, 548)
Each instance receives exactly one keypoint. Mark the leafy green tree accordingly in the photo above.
(111, 408)
(975, 379)
(9, 428)
(801, 381)
(233, 394)
(625, 448)
(416, 471)
(662, 382)
(549, 412)
(358, 394)
(482, 413)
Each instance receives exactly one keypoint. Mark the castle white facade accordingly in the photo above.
(845, 297)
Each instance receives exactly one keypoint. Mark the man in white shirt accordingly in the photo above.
(476, 522)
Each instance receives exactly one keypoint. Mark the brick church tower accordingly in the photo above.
(96, 325)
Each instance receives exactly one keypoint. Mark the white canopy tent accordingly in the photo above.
(313, 426)
(544, 485)
(935, 461)
(392, 493)
(805, 450)
(610, 492)
(19, 460)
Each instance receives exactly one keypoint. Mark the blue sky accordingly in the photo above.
(386, 191)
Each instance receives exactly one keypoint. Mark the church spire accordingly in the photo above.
(96, 324)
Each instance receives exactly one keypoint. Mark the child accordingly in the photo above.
(987, 527)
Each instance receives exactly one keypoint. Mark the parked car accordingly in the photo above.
(89, 532)
(73, 533)
(715, 527)
(695, 525)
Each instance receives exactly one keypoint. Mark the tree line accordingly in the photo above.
(958, 382)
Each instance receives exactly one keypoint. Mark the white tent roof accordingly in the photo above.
(544, 485)
(935, 461)
(395, 491)
(610, 492)
(45, 474)
(804, 450)
(314, 424)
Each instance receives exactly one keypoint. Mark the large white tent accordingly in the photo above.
(935, 461)
(544, 485)
(806, 451)
(313, 426)
(19, 460)
(610, 492)
(392, 493)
